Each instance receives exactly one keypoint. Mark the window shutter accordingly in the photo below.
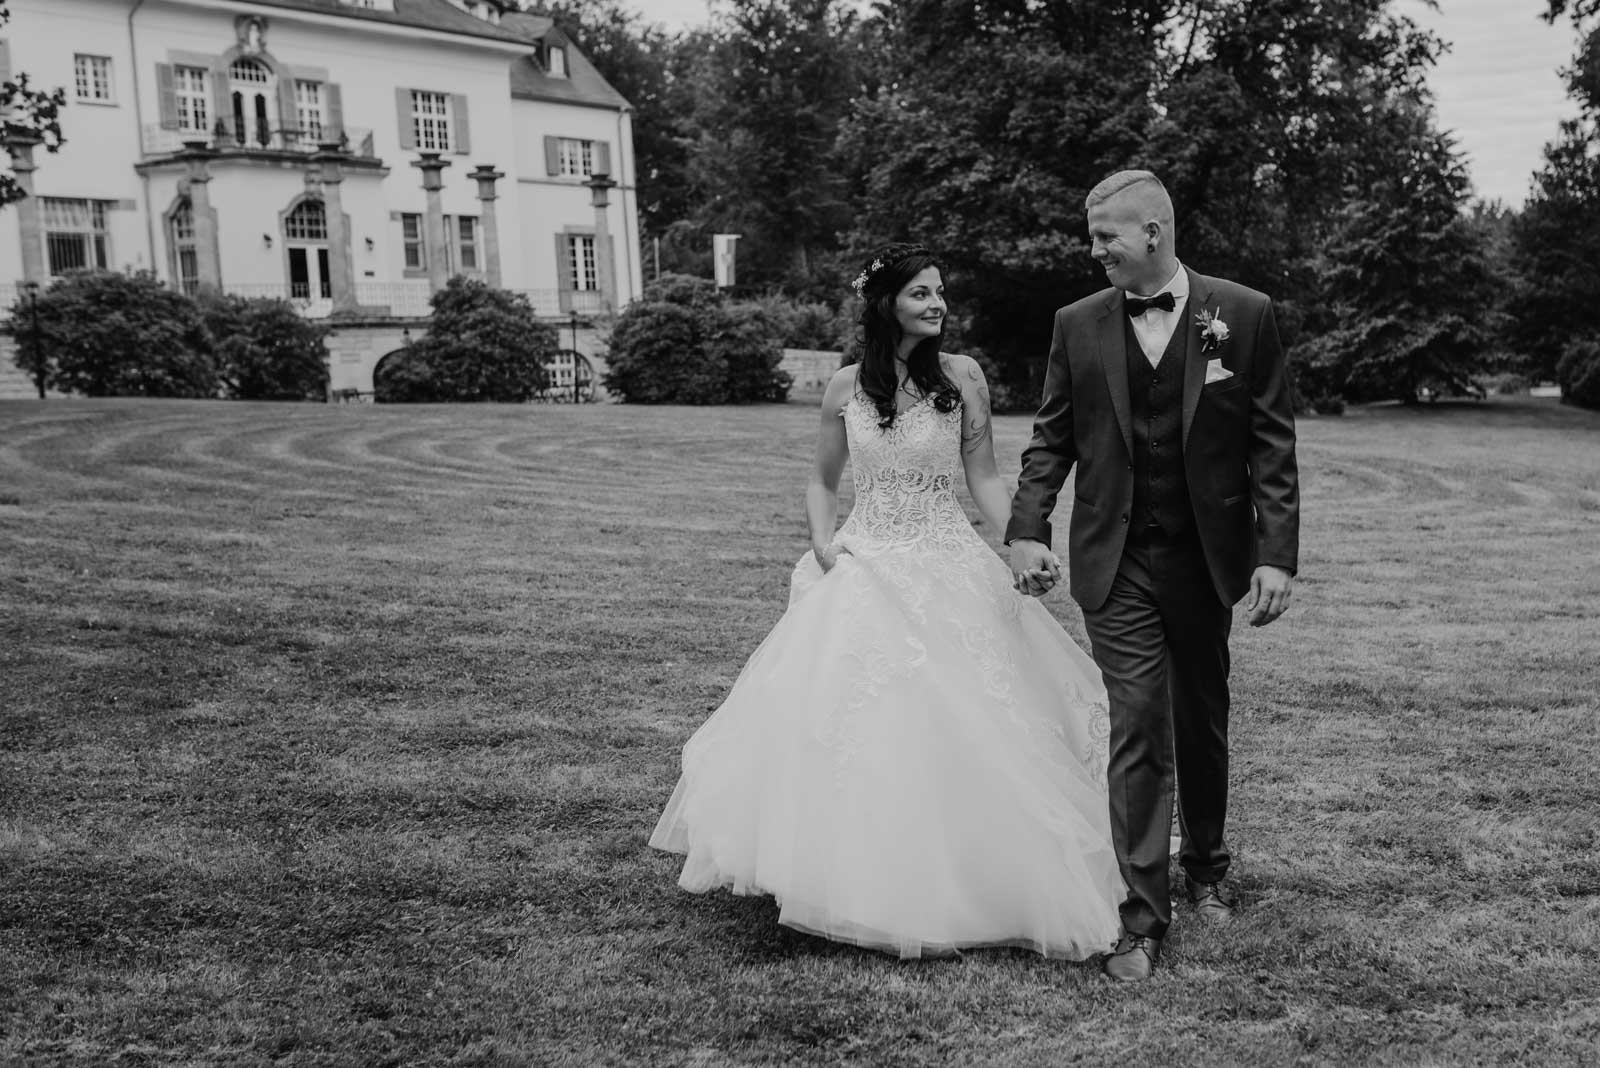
(602, 158)
(402, 106)
(288, 110)
(333, 121)
(552, 156)
(564, 272)
(167, 94)
(460, 134)
(222, 103)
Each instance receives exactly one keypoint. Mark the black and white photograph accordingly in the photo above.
(719, 533)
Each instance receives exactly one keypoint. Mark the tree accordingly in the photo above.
(27, 114)
(265, 349)
(770, 86)
(1556, 240)
(993, 118)
(107, 334)
(483, 344)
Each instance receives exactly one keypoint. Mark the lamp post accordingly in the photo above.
(576, 398)
(32, 290)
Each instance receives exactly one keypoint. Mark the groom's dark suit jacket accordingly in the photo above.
(1237, 441)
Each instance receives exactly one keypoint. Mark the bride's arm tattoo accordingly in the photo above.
(976, 426)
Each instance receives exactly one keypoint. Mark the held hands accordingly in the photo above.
(1034, 568)
(1269, 594)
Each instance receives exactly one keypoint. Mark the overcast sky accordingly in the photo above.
(1498, 88)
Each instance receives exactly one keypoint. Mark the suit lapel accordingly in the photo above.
(1194, 361)
(1114, 362)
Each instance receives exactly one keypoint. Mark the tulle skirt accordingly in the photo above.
(912, 761)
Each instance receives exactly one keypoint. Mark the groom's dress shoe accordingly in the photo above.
(1212, 901)
(1133, 959)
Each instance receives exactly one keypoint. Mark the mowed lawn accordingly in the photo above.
(334, 735)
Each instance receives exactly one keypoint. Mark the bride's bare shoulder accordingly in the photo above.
(840, 387)
(961, 368)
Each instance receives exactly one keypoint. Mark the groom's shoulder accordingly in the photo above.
(1236, 292)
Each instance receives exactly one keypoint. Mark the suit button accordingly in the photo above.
(1124, 518)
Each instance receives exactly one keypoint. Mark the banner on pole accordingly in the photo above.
(723, 258)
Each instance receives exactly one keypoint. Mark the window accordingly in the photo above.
(411, 239)
(249, 72)
(556, 64)
(308, 109)
(430, 120)
(307, 222)
(92, 75)
(577, 157)
(74, 234)
(467, 241)
(185, 260)
(581, 258)
(194, 113)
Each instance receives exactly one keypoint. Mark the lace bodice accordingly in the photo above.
(905, 477)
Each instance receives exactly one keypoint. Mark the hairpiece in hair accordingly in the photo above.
(860, 283)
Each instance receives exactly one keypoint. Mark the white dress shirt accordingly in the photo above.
(1155, 327)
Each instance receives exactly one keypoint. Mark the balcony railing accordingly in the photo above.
(159, 140)
(399, 298)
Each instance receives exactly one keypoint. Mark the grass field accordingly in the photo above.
(333, 736)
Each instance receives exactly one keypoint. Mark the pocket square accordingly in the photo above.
(1215, 372)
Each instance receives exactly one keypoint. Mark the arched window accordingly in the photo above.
(252, 86)
(307, 222)
(185, 258)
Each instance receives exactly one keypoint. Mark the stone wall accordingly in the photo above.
(810, 368)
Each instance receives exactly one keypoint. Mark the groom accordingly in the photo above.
(1168, 392)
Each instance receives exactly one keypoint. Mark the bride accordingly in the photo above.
(914, 759)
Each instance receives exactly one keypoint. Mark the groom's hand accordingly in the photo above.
(1269, 594)
(1034, 568)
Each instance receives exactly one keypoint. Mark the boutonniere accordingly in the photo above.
(1213, 331)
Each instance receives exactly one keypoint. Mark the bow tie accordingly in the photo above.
(1137, 305)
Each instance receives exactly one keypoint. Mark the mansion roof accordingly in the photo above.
(438, 15)
(583, 83)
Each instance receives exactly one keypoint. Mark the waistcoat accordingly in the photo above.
(1160, 490)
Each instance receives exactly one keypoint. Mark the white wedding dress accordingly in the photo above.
(914, 759)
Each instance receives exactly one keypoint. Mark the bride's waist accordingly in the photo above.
(935, 516)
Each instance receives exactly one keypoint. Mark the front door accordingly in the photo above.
(309, 278)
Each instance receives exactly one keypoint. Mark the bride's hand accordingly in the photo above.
(829, 555)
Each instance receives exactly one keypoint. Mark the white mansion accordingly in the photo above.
(349, 155)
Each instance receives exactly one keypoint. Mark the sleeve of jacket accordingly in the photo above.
(1274, 474)
(1052, 451)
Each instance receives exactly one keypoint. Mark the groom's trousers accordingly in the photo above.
(1161, 641)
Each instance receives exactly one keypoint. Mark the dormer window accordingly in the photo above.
(556, 62)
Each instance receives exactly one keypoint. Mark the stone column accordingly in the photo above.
(432, 168)
(600, 186)
(30, 226)
(207, 249)
(341, 264)
(486, 176)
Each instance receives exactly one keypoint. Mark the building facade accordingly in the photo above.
(348, 155)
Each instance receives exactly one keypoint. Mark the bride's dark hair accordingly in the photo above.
(885, 274)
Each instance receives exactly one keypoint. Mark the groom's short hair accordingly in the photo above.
(1121, 182)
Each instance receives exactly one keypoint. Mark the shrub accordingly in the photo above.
(483, 344)
(1578, 371)
(265, 349)
(108, 334)
(687, 344)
